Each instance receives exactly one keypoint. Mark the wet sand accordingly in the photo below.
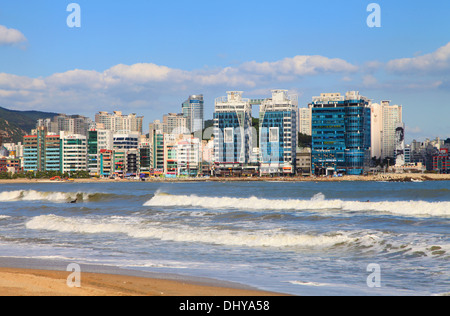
(35, 277)
(24, 282)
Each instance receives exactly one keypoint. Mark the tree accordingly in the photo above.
(304, 140)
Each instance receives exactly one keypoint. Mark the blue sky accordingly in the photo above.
(147, 57)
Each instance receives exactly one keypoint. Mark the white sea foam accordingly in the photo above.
(4, 217)
(317, 203)
(182, 233)
(10, 196)
(32, 195)
(311, 283)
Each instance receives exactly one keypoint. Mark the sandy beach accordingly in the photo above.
(39, 277)
(25, 282)
(41, 282)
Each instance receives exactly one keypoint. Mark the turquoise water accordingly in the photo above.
(301, 238)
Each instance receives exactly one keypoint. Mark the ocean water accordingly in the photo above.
(301, 238)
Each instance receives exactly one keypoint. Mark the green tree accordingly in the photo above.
(304, 140)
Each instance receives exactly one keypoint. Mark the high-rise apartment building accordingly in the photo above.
(92, 153)
(385, 119)
(119, 123)
(278, 133)
(340, 133)
(73, 124)
(41, 151)
(105, 139)
(193, 110)
(392, 116)
(52, 153)
(304, 121)
(376, 130)
(158, 152)
(232, 132)
(73, 152)
(175, 124)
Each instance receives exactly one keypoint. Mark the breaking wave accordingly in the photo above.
(56, 197)
(139, 228)
(136, 228)
(317, 203)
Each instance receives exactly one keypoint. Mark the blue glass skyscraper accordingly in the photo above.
(340, 133)
(232, 133)
(193, 109)
(278, 134)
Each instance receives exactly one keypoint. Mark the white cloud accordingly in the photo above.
(10, 36)
(139, 73)
(436, 62)
(299, 66)
(134, 85)
(14, 82)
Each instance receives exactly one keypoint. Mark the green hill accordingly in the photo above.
(15, 124)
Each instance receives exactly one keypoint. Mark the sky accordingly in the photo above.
(147, 57)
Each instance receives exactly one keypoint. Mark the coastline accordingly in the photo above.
(35, 277)
(388, 177)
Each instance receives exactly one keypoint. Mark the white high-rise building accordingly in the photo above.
(105, 139)
(175, 124)
(119, 123)
(304, 120)
(384, 122)
(392, 116)
(376, 122)
(73, 152)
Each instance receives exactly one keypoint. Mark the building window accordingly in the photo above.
(229, 135)
(273, 135)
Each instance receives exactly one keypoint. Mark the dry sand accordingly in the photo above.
(25, 282)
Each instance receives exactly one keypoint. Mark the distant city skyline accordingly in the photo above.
(147, 58)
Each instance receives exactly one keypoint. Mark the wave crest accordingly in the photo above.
(136, 228)
(56, 197)
(317, 203)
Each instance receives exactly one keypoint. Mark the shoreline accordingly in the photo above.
(37, 277)
(389, 177)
